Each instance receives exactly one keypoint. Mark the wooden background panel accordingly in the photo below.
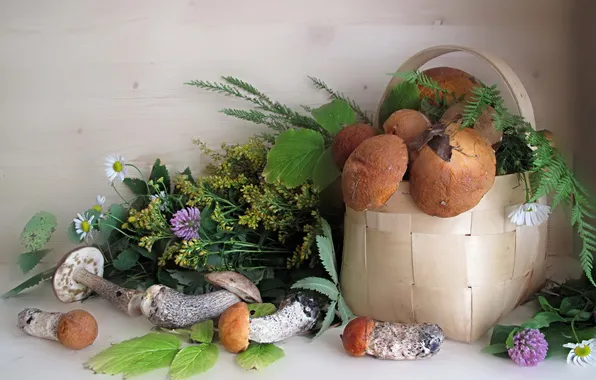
(83, 79)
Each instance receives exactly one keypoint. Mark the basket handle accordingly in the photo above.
(512, 82)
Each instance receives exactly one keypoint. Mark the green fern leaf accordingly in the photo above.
(318, 284)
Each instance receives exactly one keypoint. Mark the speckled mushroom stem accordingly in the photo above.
(39, 323)
(168, 308)
(298, 315)
(127, 300)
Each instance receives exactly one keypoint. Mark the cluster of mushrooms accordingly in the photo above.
(450, 168)
(80, 274)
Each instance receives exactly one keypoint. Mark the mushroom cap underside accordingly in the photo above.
(65, 287)
(235, 283)
(234, 327)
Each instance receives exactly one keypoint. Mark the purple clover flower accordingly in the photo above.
(529, 348)
(186, 223)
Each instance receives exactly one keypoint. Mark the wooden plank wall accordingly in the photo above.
(82, 79)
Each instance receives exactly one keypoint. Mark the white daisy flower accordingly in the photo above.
(83, 225)
(115, 167)
(99, 205)
(530, 214)
(162, 195)
(583, 353)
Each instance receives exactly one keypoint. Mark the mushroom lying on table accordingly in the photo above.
(297, 314)
(80, 273)
(168, 308)
(76, 329)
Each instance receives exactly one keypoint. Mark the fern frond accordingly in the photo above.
(432, 111)
(420, 78)
(482, 97)
(247, 87)
(340, 96)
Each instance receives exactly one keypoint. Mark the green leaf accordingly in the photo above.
(544, 304)
(136, 356)
(543, 319)
(556, 336)
(193, 360)
(38, 278)
(293, 157)
(501, 334)
(136, 185)
(29, 260)
(318, 284)
(257, 310)
(160, 171)
(403, 96)
(202, 331)
(72, 234)
(38, 231)
(327, 250)
(143, 252)
(329, 316)
(114, 219)
(334, 115)
(259, 355)
(345, 313)
(325, 171)
(496, 348)
(509, 342)
(165, 278)
(126, 259)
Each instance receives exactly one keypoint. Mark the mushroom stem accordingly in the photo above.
(39, 323)
(127, 300)
(168, 308)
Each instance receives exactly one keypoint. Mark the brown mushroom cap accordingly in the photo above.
(77, 329)
(64, 285)
(407, 124)
(452, 172)
(235, 283)
(373, 171)
(484, 125)
(452, 80)
(356, 334)
(234, 326)
(348, 139)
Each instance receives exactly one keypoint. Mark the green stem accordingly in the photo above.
(526, 186)
(120, 195)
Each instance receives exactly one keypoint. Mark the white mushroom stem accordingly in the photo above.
(127, 300)
(39, 323)
(168, 308)
(298, 315)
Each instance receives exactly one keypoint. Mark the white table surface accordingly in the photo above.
(26, 357)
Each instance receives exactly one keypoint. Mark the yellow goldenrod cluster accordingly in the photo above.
(150, 223)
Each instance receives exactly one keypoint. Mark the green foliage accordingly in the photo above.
(259, 355)
(29, 260)
(202, 332)
(193, 360)
(403, 96)
(327, 251)
(257, 310)
(334, 116)
(482, 98)
(32, 281)
(325, 171)
(126, 259)
(420, 78)
(328, 320)
(337, 95)
(38, 231)
(160, 175)
(137, 186)
(318, 284)
(293, 157)
(136, 356)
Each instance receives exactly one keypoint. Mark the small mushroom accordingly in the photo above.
(76, 329)
(80, 273)
(168, 308)
(297, 314)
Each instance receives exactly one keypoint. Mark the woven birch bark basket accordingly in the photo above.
(464, 273)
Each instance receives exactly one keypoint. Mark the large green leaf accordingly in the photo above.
(334, 115)
(344, 311)
(257, 310)
(193, 360)
(318, 284)
(403, 96)
(497, 348)
(136, 356)
(126, 259)
(293, 157)
(325, 171)
(136, 185)
(329, 316)
(38, 231)
(259, 355)
(543, 319)
(32, 281)
(160, 171)
(29, 260)
(202, 331)
(327, 251)
(164, 277)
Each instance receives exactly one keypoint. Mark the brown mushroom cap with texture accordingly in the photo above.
(348, 139)
(77, 329)
(407, 124)
(356, 334)
(484, 125)
(452, 80)
(234, 327)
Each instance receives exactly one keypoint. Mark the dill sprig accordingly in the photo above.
(279, 114)
(340, 96)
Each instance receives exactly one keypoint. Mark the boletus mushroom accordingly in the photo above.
(373, 171)
(75, 329)
(348, 139)
(484, 124)
(171, 309)
(454, 169)
(297, 314)
(455, 81)
(392, 340)
(80, 273)
(407, 124)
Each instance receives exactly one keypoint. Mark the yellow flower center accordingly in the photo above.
(85, 226)
(97, 208)
(117, 166)
(582, 352)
